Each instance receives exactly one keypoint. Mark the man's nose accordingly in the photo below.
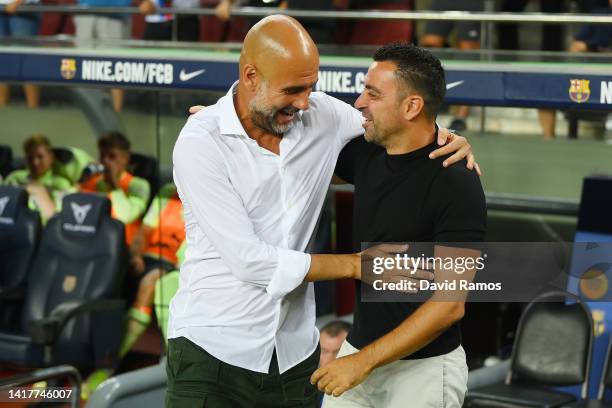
(302, 102)
(361, 102)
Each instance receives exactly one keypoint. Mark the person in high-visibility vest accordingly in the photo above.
(128, 194)
(72, 162)
(45, 187)
(155, 250)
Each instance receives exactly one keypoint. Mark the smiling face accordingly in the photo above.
(380, 103)
(279, 97)
(279, 66)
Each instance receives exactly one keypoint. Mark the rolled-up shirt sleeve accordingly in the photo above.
(204, 185)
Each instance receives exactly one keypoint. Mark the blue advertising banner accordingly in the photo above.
(472, 83)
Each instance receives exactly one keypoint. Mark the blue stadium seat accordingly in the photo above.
(72, 313)
(19, 233)
(6, 160)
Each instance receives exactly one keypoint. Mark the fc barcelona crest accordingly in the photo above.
(69, 284)
(579, 90)
(68, 68)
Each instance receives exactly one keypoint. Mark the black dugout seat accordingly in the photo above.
(553, 348)
(19, 233)
(72, 313)
(6, 160)
(145, 166)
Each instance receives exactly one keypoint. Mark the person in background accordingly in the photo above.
(155, 251)
(322, 31)
(45, 188)
(332, 336)
(14, 24)
(590, 38)
(158, 27)
(468, 38)
(128, 194)
(369, 32)
(103, 27)
(508, 35)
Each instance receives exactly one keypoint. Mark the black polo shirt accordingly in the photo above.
(408, 198)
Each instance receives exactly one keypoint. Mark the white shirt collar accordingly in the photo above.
(229, 124)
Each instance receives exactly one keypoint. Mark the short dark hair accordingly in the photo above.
(336, 327)
(36, 140)
(418, 70)
(112, 140)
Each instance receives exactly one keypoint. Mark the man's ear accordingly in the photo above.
(412, 106)
(250, 76)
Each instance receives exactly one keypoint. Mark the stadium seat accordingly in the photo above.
(145, 166)
(6, 160)
(71, 313)
(552, 348)
(19, 232)
(606, 384)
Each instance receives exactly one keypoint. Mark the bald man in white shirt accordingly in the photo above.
(252, 172)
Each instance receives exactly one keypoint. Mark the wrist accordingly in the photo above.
(367, 359)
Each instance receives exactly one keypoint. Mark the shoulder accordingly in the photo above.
(61, 183)
(457, 177)
(199, 135)
(205, 121)
(138, 185)
(458, 184)
(17, 177)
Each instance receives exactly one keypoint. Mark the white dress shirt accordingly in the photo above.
(249, 217)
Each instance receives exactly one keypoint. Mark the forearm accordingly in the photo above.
(418, 330)
(128, 208)
(330, 267)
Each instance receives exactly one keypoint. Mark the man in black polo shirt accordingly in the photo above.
(404, 354)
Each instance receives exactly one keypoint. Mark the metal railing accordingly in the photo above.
(484, 17)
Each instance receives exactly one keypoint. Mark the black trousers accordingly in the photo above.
(551, 33)
(196, 379)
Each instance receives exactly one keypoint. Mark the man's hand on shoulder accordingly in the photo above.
(195, 109)
(452, 143)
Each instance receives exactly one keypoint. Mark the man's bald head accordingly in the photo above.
(278, 43)
(279, 66)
